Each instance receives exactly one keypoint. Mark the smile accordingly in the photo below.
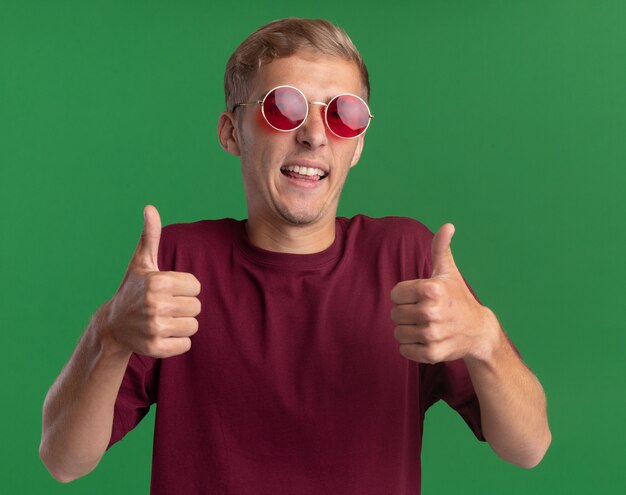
(303, 173)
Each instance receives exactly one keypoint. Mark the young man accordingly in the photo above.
(268, 344)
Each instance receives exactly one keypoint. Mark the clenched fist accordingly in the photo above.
(438, 319)
(153, 312)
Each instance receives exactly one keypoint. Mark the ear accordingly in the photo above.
(227, 133)
(357, 152)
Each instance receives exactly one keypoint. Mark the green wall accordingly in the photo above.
(507, 118)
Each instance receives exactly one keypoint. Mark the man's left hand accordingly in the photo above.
(438, 319)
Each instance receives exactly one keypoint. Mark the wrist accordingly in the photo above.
(103, 335)
(491, 341)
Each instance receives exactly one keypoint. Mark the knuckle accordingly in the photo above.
(157, 282)
(156, 328)
(430, 312)
(428, 334)
(422, 315)
(151, 304)
(433, 289)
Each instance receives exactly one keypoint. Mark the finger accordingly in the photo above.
(443, 262)
(185, 306)
(178, 345)
(413, 352)
(424, 353)
(169, 347)
(183, 327)
(415, 314)
(185, 284)
(147, 250)
(425, 334)
(415, 291)
(408, 334)
(173, 283)
(405, 292)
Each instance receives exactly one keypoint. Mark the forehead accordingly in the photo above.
(317, 75)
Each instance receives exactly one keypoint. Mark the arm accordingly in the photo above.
(438, 319)
(152, 314)
(512, 402)
(78, 410)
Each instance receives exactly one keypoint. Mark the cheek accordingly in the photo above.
(264, 128)
(253, 129)
(345, 154)
(259, 120)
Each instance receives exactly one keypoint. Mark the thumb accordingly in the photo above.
(443, 262)
(145, 256)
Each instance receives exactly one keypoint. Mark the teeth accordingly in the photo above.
(304, 170)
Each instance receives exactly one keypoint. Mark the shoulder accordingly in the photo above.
(185, 244)
(403, 240)
(388, 227)
(201, 231)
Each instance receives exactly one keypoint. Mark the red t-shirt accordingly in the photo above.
(294, 383)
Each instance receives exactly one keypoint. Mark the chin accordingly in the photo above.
(296, 217)
(300, 219)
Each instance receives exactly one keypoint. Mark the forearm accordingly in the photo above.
(512, 404)
(78, 410)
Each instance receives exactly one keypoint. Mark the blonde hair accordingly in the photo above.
(282, 38)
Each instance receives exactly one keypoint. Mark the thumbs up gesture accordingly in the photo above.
(153, 312)
(438, 319)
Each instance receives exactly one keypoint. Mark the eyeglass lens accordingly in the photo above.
(285, 108)
(347, 116)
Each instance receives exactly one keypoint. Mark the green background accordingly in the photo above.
(507, 118)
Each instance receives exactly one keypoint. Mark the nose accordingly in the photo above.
(312, 132)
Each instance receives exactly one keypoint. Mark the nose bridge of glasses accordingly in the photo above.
(312, 129)
(320, 119)
(323, 106)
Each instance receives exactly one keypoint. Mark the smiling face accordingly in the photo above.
(294, 178)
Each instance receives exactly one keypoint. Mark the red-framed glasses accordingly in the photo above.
(285, 108)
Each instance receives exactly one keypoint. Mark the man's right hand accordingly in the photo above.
(153, 312)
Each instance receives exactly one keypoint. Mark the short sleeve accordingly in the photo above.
(137, 393)
(450, 381)
(138, 390)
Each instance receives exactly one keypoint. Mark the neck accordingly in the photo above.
(287, 238)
